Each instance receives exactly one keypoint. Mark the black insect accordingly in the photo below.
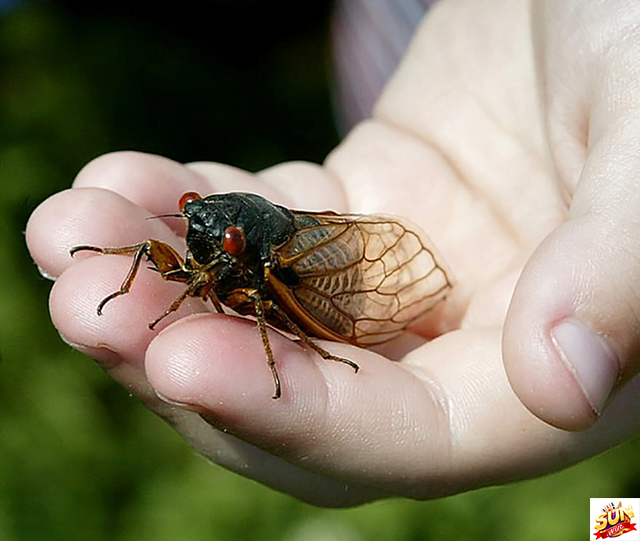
(360, 279)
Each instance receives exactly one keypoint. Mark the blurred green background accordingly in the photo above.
(245, 83)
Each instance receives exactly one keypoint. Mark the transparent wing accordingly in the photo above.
(366, 278)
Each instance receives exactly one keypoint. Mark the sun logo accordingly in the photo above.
(614, 521)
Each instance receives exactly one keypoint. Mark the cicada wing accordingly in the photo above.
(365, 278)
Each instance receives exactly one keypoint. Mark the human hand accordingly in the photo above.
(502, 162)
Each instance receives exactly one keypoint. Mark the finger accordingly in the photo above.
(254, 463)
(63, 221)
(441, 422)
(572, 336)
(220, 445)
(120, 332)
(222, 178)
(306, 186)
(119, 337)
(151, 182)
(156, 183)
(296, 185)
(86, 216)
(118, 340)
(235, 388)
(100, 218)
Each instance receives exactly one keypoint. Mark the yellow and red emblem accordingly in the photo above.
(614, 521)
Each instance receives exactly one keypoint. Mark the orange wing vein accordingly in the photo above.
(365, 278)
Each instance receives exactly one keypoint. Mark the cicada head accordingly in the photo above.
(238, 228)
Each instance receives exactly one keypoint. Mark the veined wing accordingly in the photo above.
(365, 278)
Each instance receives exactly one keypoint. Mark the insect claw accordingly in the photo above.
(85, 248)
(328, 357)
(106, 300)
(153, 324)
(276, 381)
(157, 320)
(342, 360)
(174, 306)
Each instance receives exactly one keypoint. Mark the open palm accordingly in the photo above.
(502, 135)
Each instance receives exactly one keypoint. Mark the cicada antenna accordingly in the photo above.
(164, 216)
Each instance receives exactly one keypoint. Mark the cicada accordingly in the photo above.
(360, 279)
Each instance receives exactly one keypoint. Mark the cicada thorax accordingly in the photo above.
(217, 220)
(234, 236)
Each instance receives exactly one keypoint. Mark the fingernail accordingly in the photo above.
(45, 274)
(179, 403)
(105, 357)
(590, 359)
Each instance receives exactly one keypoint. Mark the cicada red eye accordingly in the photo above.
(233, 241)
(188, 197)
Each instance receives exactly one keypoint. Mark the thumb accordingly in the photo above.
(572, 337)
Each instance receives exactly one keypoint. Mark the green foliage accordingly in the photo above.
(79, 458)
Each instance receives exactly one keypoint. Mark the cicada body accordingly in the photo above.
(358, 279)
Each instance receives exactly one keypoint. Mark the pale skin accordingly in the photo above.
(510, 134)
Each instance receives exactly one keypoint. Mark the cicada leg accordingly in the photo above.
(174, 306)
(164, 258)
(286, 320)
(216, 303)
(262, 328)
(275, 310)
